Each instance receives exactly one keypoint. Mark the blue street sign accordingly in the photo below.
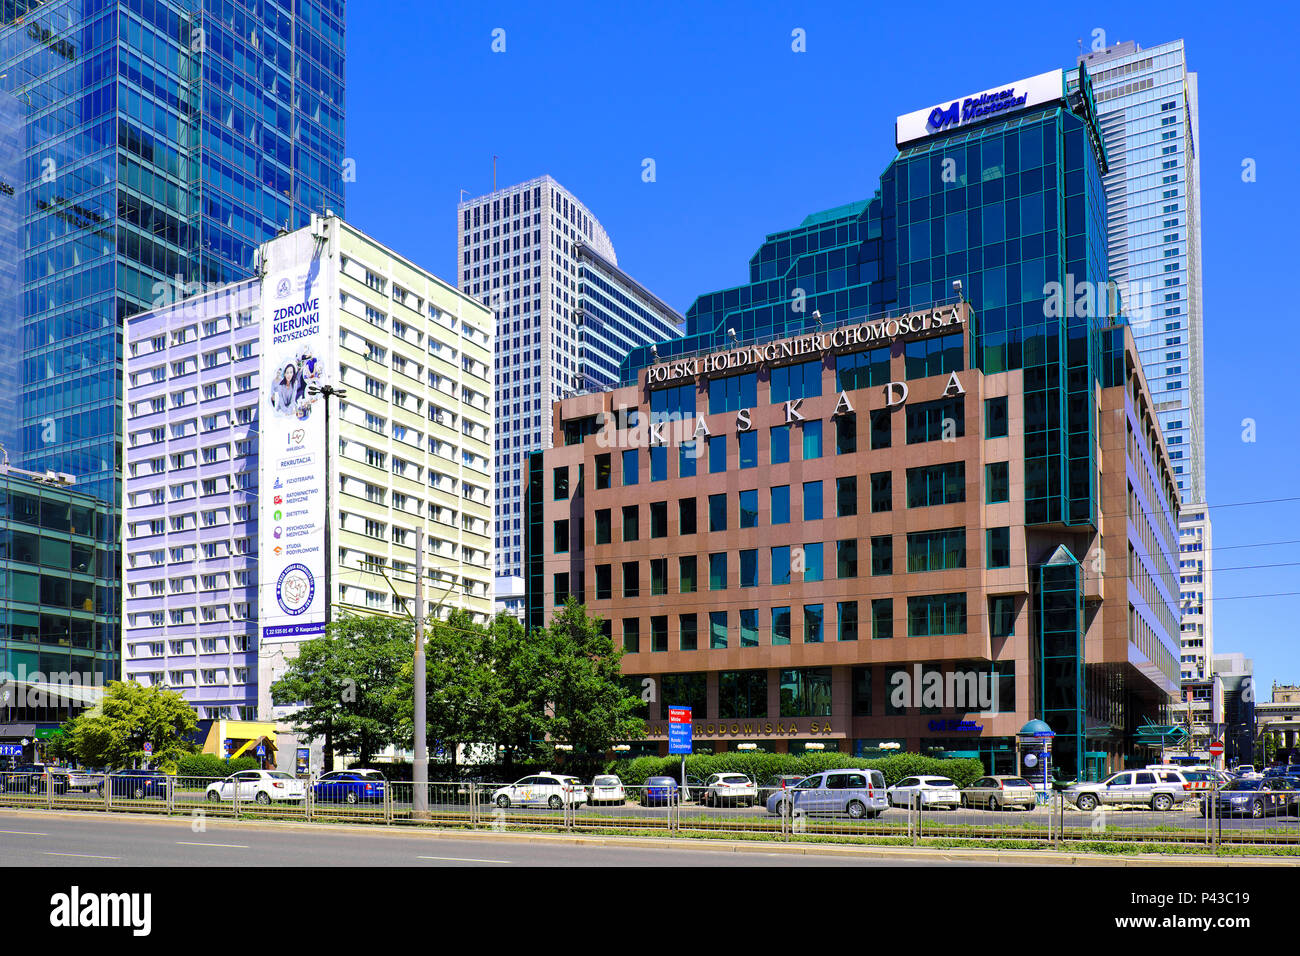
(11, 750)
(679, 730)
(261, 750)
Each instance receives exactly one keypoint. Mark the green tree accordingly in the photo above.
(113, 734)
(590, 707)
(351, 684)
(514, 691)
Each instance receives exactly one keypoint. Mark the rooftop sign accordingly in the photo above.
(986, 104)
(815, 344)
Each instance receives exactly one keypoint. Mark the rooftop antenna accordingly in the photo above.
(494, 172)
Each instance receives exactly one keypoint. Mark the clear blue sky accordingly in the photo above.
(748, 137)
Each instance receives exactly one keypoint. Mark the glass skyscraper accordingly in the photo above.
(162, 141)
(1147, 102)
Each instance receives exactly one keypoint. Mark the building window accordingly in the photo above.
(658, 576)
(846, 434)
(812, 501)
(812, 439)
(882, 554)
(999, 547)
(717, 454)
(686, 568)
(631, 462)
(749, 568)
(1002, 616)
(631, 579)
(932, 615)
(882, 492)
(687, 453)
(686, 516)
(944, 419)
(780, 626)
(847, 618)
(779, 444)
(718, 571)
(780, 504)
(631, 522)
(658, 634)
(806, 692)
(659, 519)
(781, 564)
(562, 536)
(995, 417)
(846, 558)
(602, 471)
(936, 484)
(603, 526)
(882, 618)
(631, 635)
(742, 694)
(748, 442)
(749, 627)
(604, 582)
(936, 550)
(687, 633)
(846, 496)
(717, 630)
(997, 482)
(813, 619)
(718, 512)
(659, 463)
(792, 382)
(748, 508)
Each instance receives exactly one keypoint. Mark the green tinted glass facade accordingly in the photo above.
(58, 596)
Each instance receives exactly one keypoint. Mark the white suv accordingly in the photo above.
(1159, 788)
(734, 788)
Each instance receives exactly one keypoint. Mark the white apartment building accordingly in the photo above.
(228, 463)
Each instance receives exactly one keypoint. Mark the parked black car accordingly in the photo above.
(34, 778)
(1252, 797)
(136, 784)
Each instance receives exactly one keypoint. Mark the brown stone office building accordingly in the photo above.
(791, 538)
(841, 510)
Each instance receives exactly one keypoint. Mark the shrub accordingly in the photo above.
(209, 765)
(763, 768)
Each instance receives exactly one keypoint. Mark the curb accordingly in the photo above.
(931, 854)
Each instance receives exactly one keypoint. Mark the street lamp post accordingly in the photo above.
(327, 392)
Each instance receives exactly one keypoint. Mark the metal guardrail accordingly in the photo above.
(1202, 819)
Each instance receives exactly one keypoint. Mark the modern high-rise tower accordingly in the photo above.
(162, 142)
(1147, 101)
(566, 317)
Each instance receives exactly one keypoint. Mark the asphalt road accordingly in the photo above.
(54, 840)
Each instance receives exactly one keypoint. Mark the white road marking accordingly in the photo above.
(233, 846)
(88, 856)
(24, 832)
(459, 859)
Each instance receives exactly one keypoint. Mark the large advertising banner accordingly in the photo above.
(298, 352)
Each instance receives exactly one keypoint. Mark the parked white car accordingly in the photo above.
(542, 789)
(607, 788)
(262, 786)
(933, 791)
(732, 788)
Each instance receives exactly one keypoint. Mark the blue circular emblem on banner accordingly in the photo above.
(295, 589)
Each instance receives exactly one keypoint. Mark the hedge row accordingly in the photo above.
(763, 768)
(208, 765)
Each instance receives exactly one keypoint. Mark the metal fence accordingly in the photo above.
(1207, 820)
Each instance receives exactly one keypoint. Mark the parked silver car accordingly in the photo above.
(1000, 791)
(1157, 789)
(851, 793)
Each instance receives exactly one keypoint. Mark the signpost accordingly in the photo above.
(679, 740)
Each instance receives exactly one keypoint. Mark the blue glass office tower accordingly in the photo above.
(163, 140)
(1004, 192)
